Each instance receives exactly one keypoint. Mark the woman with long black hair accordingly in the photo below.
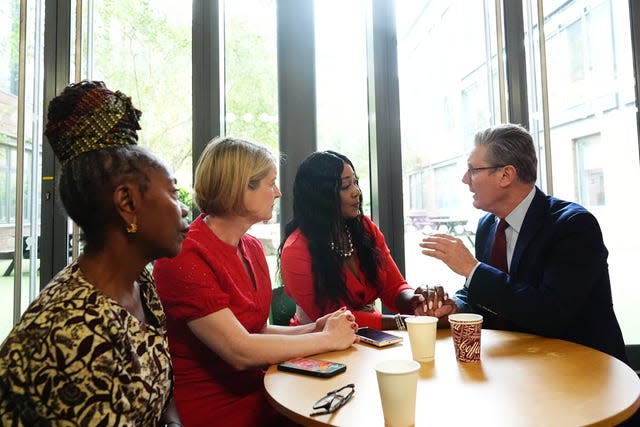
(334, 256)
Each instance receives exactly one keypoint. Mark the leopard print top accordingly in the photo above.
(78, 358)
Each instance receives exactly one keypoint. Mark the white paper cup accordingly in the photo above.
(422, 336)
(397, 383)
(466, 330)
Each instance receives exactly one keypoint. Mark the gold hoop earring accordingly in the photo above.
(132, 228)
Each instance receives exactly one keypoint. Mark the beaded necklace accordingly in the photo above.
(340, 250)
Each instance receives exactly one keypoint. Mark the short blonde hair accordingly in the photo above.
(226, 168)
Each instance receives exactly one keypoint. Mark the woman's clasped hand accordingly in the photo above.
(436, 302)
(339, 327)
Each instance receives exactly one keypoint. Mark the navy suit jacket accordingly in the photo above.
(558, 283)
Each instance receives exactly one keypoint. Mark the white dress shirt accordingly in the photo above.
(515, 220)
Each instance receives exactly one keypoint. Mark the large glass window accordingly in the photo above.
(17, 155)
(341, 85)
(251, 83)
(144, 50)
(448, 90)
(141, 48)
(592, 128)
(251, 91)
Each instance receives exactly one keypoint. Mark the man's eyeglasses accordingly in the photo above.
(472, 171)
(334, 400)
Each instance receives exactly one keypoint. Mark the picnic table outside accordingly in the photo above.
(441, 224)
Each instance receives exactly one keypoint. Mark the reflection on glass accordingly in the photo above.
(594, 139)
(448, 90)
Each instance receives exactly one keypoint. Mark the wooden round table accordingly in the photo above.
(521, 380)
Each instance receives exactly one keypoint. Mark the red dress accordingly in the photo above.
(207, 276)
(295, 267)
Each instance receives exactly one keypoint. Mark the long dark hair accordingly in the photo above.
(317, 212)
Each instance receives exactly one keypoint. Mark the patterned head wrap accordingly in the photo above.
(100, 119)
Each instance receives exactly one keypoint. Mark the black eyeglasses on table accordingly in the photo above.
(333, 400)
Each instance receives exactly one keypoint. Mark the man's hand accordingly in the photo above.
(451, 251)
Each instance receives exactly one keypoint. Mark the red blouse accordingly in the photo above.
(295, 267)
(207, 276)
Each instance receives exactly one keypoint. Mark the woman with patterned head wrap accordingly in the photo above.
(91, 349)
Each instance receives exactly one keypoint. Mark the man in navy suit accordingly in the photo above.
(556, 282)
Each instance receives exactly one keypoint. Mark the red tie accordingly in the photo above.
(499, 249)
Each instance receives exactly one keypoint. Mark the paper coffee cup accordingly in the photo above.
(466, 330)
(422, 337)
(397, 383)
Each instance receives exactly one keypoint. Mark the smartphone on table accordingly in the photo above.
(313, 367)
(376, 337)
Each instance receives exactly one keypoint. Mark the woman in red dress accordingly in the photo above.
(217, 294)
